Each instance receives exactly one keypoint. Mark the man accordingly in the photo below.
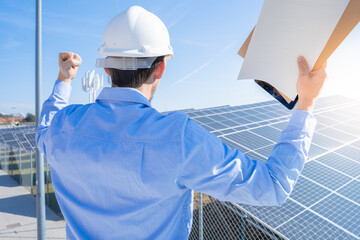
(122, 170)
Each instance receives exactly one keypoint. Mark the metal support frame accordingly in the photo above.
(40, 189)
(201, 220)
(47, 184)
(31, 172)
(6, 167)
(20, 167)
(1, 156)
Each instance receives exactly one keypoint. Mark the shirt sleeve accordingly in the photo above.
(211, 167)
(58, 99)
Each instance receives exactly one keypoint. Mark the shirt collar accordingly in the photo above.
(122, 94)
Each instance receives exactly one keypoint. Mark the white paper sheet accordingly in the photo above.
(285, 30)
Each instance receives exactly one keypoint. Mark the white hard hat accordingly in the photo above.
(134, 39)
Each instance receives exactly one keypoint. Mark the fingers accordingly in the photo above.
(74, 58)
(75, 62)
(303, 67)
(323, 68)
(63, 56)
(321, 72)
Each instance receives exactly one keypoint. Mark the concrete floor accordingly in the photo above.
(18, 213)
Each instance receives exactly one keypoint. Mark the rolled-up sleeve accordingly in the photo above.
(210, 166)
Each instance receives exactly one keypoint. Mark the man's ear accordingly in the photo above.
(159, 71)
(107, 71)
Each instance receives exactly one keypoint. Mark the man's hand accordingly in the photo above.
(309, 85)
(68, 63)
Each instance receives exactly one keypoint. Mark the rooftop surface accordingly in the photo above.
(18, 213)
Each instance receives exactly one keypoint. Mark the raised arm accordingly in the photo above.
(211, 167)
(68, 63)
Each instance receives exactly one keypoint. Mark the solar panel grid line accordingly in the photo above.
(331, 108)
(325, 141)
(338, 211)
(336, 170)
(228, 139)
(348, 128)
(252, 140)
(263, 137)
(355, 163)
(356, 145)
(331, 191)
(333, 150)
(251, 123)
(351, 189)
(232, 111)
(324, 218)
(338, 123)
(350, 151)
(256, 156)
(337, 134)
(269, 124)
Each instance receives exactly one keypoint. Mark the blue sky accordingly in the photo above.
(205, 37)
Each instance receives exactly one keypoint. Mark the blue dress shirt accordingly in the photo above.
(122, 170)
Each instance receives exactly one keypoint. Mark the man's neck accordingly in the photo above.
(145, 90)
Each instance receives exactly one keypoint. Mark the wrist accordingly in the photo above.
(61, 77)
(306, 105)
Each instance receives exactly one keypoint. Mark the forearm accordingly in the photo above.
(213, 168)
(290, 153)
(58, 99)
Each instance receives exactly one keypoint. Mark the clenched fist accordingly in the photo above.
(68, 63)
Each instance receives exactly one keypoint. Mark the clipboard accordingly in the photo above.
(348, 21)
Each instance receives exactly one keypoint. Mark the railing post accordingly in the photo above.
(6, 166)
(201, 225)
(20, 167)
(1, 155)
(31, 172)
(12, 160)
(47, 183)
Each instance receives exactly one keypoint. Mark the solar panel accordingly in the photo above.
(307, 193)
(337, 134)
(324, 175)
(350, 152)
(351, 191)
(326, 199)
(340, 163)
(356, 144)
(19, 137)
(8, 137)
(310, 225)
(325, 142)
(340, 211)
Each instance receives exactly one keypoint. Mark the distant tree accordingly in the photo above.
(29, 117)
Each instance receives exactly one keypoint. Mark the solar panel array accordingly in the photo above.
(22, 136)
(325, 203)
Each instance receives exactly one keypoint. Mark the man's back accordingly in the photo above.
(110, 149)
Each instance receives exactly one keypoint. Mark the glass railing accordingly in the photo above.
(21, 166)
